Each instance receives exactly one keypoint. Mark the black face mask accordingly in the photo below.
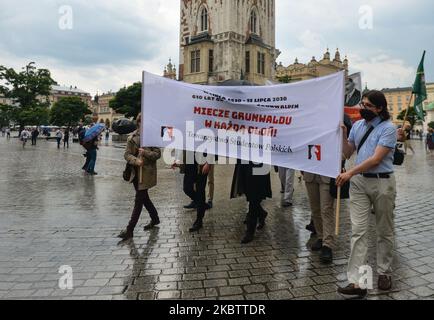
(368, 115)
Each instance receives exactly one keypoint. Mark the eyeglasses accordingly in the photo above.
(366, 105)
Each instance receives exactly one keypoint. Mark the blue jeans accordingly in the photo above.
(92, 161)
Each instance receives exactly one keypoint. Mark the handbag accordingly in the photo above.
(398, 156)
(127, 172)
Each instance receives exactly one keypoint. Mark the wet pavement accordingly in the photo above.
(51, 215)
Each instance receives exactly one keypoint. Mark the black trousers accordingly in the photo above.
(195, 187)
(189, 180)
(33, 141)
(200, 196)
(142, 200)
(256, 214)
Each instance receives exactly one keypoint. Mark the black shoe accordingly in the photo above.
(326, 255)
(311, 227)
(92, 173)
(192, 205)
(351, 291)
(317, 246)
(248, 237)
(286, 204)
(151, 225)
(196, 227)
(384, 282)
(126, 235)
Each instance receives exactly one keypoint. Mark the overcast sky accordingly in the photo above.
(112, 41)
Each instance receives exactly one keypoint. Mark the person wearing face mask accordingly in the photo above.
(373, 184)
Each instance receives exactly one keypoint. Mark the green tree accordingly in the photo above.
(29, 91)
(431, 124)
(128, 100)
(68, 111)
(5, 115)
(284, 79)
(412, 116)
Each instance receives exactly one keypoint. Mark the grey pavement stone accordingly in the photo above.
(162, 286)
(193, 294)
(423, 292)
(254, 288)
(86, 291)
(239, 281)
(96, 283)
(40, 231)
(215, 283)
(302, 292)
(280, 295)
(169, 295)
(236, 298)
(211, 292)
(184, 285)
(230, 291)
(257, 296)
(146, 296)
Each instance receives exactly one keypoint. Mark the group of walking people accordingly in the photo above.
(372, 190)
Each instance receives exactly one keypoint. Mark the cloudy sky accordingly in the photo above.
(112, 41)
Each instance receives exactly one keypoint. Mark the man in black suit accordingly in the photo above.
(352, 95)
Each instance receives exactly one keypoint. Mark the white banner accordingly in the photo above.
(294, 126)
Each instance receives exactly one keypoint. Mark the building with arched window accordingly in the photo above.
(203, 19)
(223, 40)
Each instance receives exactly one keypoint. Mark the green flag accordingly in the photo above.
(419, 90)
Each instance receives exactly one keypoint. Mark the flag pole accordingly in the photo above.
(338, 211)
(406, 112)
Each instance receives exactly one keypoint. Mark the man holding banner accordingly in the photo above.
(372, 184)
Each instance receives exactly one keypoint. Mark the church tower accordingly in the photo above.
(230, 39)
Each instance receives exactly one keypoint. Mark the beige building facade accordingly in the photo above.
(314, 69)
(58, 92)
(227, 40)
(429, 105)
(102, 111)
(397, 100)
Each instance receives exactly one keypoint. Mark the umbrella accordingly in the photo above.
(93, 132)
(124, 126)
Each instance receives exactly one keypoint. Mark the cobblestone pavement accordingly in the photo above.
(52, 215)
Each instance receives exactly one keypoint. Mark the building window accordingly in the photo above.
(247, 61)
(254, 22)
(211, 61)
(261, 63)
(204, 20)
(195, 61)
